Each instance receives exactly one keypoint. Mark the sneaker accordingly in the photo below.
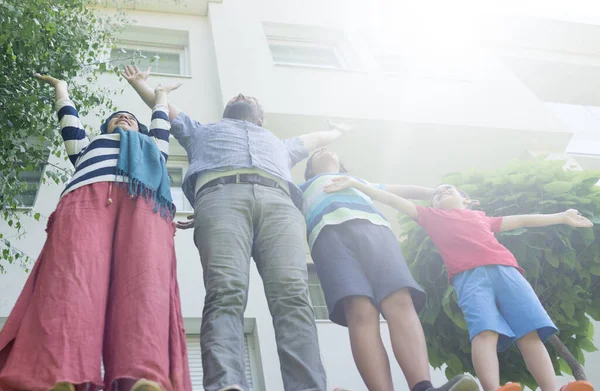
(511, 387)
(458, 383)
(233, 387)
(579, 385)
(63, 386)
(146, 385)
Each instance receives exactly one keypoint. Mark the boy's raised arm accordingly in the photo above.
(401, 204)
(570, 217)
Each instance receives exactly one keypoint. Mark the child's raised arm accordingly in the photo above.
(411, 192)
(570, 217)
(403, 205)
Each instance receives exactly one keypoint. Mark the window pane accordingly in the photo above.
(304, 54)
(32, 181)
(179, 200)
(176, 175)
(164, 62)
(317, 298)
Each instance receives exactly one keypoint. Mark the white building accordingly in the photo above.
(429, 92)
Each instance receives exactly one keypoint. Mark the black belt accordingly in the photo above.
(241, 178)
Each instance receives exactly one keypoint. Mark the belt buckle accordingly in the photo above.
(237, 178)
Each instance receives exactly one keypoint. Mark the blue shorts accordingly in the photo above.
(499, 298)
(359, 258)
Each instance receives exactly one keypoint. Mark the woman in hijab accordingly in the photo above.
(104, 287)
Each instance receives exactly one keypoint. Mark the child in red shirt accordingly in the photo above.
(499, 305)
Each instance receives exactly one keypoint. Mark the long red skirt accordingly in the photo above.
(104, 287)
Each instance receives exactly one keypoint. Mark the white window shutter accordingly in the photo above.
(195, 362)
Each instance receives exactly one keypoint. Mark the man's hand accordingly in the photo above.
(573, 218)
(166, 89)
(51, 81)
(321, 139)
(340, 183)
(133, 74)
(186, 224)
(341, 127)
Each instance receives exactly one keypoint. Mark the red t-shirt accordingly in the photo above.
(465, 238)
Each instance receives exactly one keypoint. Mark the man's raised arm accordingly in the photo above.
(316, 140)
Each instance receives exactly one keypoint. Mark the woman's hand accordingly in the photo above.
(61, 89)
(340, 183)
(51, 81)
(133, 74)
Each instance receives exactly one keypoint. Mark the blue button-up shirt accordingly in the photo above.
(234, 144)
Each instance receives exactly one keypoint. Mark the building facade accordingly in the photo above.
(426, 96)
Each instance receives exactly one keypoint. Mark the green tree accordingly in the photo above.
(561, 263)
(64, 38)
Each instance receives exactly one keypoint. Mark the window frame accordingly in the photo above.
(37, 192)
(310, 44)
(177, 162)
(182, 50)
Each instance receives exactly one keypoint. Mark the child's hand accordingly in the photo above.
(166, 89)
(573, 218)
(133, 74)
(339, 183)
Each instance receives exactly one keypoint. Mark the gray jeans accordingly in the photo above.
(234, 222)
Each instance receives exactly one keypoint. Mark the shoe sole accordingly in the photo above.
(465, 384)
(146, 385)
(579, 386)
(511, 387)
(63, 387)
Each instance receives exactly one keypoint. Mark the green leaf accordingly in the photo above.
(569, 309)
(36, 216)
(587, 345)
(564, 366)
(515, 232)
(558, 187)
(595, 269)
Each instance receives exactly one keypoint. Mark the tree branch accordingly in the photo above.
(563, 351)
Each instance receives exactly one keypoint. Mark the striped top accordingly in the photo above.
(95, 160)
(321, 209)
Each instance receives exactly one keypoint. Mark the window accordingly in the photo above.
(310, 46)
(306, 53)
(32, 180)
(176, 174)
(195, 361)
(166, 51)
(161, 60)
(316, 295)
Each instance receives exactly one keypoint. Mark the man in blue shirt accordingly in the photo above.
(246, 205)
